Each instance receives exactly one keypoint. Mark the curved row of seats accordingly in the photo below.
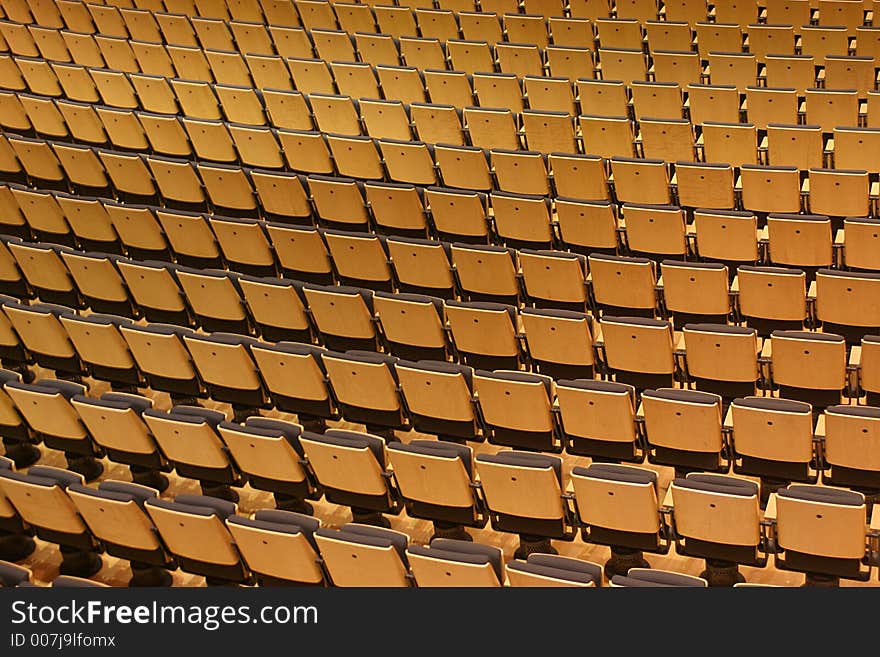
(416, 143)
(183, 184)
(523, 493)
(325, 21)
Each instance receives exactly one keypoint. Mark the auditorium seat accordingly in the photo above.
(546, 570)
(361, 555)
(15, 536)
(448, 562)
(268, 534)
(646, 577)
(40, 497)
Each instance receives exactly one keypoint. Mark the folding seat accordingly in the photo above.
(277, 12)
(646, 577)
(194, 531)
(396, 21)
(699, 501)
(360, 484)
(44, 337)
(98, 282)
(498, 90)
(436, 24)
(486, 273)
(495, 347)
(661, 100)
(849, 455)
(480, 26)
(554, 279)
(422, 266)
(523, 172)
(267, 71)
(40, 163)
(719, 37)
(355, 79)
(607, 136)
(623, 64)
(225, 365)
(47, 410)
(412, 326)
(14, 115)
(384, 119)
(470, 56)
(733, 143)
(40, 498)
(19, 445)
(578, 177)
(83, 169)
(460, 563)
(360, 555)
(732, 68)
(39, 77)
(845, 302)
(267, 533)
(458, 215)
(152, 59)
(771, 39)
(197, 100)
(191, 63)
(176, 29)
(414, 52)
(306, 151)
(629, 534)
(356, 156)
(250, 37)
(852, 148)
(401, 83)
(83, 49)
(549, 132)
(591, 9)
(711, 102)
(178, 183)
(451, 88)
(792, 71)
(671, 140)
(669, 35)
(622, 285)
(359, 259)
(829, 108)
(705, 185)
(858, 244)
(354, 18)
(311, 76)
(316, 14)
(114, 88)
(154, 289)
(527, 28)
(809, 366)
(81, 120)
(842, 12)
(10, 74)
(821, 532)
(850, 73)
(44, 13)
(19, 39)
(800, 240)
(287, 109)
(516, 408)
(241, 105)
(723, 360)
(619, 32)
(231, 192)
(339, 202)
(138, 231)
(212, 9)
(75, 84)
(188, 436)
(491, 128)
(695, 292)
(772, 298)
(656, 231)
(683, 68)
(210, 140)
(12, 281)
(397, 209)
(46, 222)
(639, 351)
(684, 430)
(353, 329)
(215, 299)
(141, 25)
(117, 54)
(643, 11)
(522, 221)
(409, 162)
(291, 42)
(43, 114)
(570, 62)
(523, 492)
(640, 181)
(301, 252)
(840, 192)
(123, 129)
(770, 189)
(789, 12)
(550, 95)
(519, 59)
(190, 238)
